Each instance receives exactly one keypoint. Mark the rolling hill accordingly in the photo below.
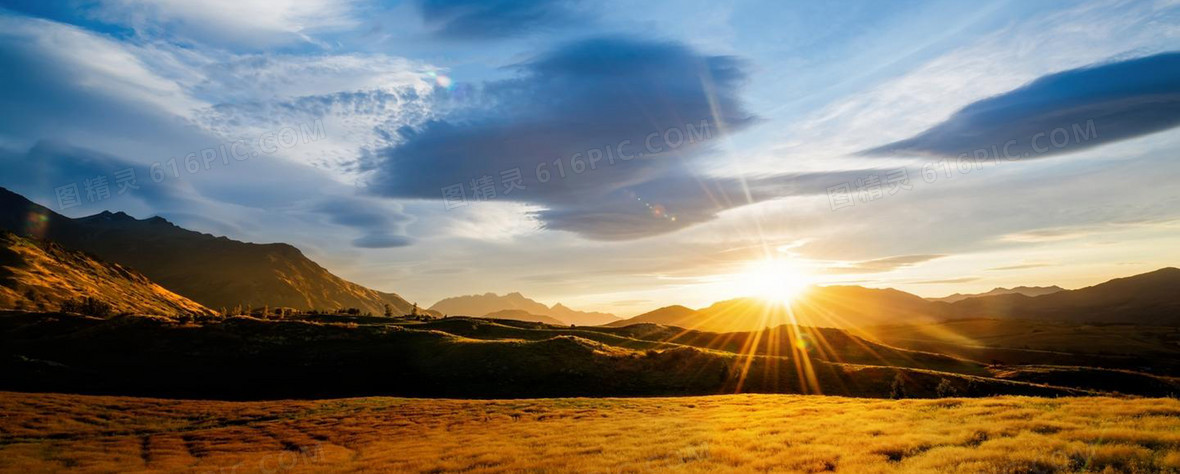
(40, 275)
(522, 315)
(245, 357)
(214, 271)
(487, 303)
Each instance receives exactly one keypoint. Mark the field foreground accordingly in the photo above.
(49, 432)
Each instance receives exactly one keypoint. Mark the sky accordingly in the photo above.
(616, 156)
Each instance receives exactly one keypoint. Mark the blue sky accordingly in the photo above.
(782, 131)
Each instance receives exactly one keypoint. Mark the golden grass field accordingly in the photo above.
(51, 432)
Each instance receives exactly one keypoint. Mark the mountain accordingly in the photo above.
(1021, 290)
(1148, 298)
(522, 315)
(668, 316)
(479, 305)
(829, 306)
(44, 276)
(214, 271)
(581, 318)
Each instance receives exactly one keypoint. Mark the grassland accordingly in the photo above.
(1154, 349)
(48, 432)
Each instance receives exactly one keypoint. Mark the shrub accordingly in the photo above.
(88, 306)
(946, 389)
(897, 388)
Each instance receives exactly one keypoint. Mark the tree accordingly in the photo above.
(88, 306)
(946, 389)
(388, 310)
(897, 388)
(414, 310)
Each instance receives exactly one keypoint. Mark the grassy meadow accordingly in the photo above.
(51, 432)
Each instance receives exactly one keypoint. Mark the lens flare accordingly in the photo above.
(775, 280)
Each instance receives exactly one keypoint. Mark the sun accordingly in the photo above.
(775, 280)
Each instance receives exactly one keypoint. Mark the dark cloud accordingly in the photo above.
(476, 19)
(382, 241)
(1059, 113)
(38, 172)
(382, 227)
(578, 101)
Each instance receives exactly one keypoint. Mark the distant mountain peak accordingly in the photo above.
(489, 303)
(1029, 291)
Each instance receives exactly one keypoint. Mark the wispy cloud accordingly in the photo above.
(481, 19)
(235, 24)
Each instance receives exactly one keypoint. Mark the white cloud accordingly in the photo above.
(233, 23)
(96, 63)
(996, 63)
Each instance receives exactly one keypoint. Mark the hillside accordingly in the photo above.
(668, 315)
(40, 275)
(487, 303)
(247, 358)
(1148, 298)
(1016, 341)
(830, 306)
(214, 271)
(522, 315)
(1020, 290)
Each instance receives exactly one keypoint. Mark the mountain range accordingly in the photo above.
(1148, 298)
(156, 266)
(216, 272)
(488, 304)
(1022, 290)
(821, 306)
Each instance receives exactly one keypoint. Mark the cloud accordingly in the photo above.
(1060, 113)
(360, 100)
(946, 281)
(245, 24)
(380, 223)
(1023, 266)
(477, 19)
(881, 265)
(659, 104)
(37, 172)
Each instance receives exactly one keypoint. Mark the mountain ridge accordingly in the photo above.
(1137, 299)
(1022, 290)
(483, 304)
(215, 271)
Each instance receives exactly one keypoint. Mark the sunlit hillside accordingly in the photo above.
(40, 275)
(734, 433)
